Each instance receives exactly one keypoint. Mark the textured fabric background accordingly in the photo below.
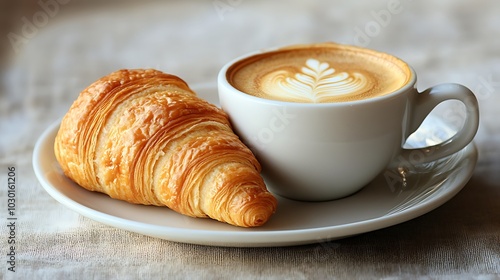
(77, 42)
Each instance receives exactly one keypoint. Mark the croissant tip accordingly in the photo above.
(259, 220)
(257, 215)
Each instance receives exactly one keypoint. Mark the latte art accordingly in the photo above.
(319, 73)
(317, 81)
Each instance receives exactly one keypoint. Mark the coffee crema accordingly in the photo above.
(319, 73)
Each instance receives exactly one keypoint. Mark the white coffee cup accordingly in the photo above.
(326, 151)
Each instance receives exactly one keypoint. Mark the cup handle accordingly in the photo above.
(423, 104)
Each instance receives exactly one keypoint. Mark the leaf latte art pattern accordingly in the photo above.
(317, 82)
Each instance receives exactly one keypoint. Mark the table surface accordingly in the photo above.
(51, 50)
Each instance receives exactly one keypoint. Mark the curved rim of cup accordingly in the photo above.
(222, 81)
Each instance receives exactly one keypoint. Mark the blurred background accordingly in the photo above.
(52, 49)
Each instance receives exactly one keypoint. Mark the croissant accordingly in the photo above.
(144, 137)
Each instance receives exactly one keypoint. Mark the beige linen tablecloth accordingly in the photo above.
(52, 49)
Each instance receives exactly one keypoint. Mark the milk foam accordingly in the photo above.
(317, 81)
(319, 73)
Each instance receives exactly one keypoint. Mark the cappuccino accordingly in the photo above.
(322, 151)
(319, 73)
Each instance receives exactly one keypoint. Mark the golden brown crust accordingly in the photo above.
(144, 137)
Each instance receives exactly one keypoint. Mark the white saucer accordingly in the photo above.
(384, 202)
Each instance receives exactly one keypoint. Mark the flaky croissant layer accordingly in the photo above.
(144, 137)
